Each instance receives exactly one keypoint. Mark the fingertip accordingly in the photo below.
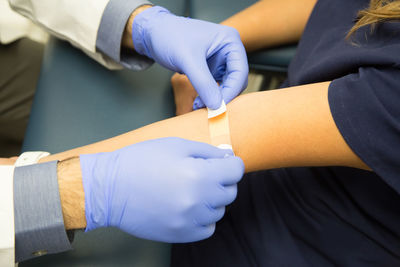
(236, 171)
(240, 164)
(228, 153)
(198, 104)
(215, 100)
(209, 230)
(231, 193)
(219, 213)
(204, 83)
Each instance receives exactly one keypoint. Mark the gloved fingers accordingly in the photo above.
(231, 192)
(204, 232)
(214, 215)
(224, 196)
(198, 103)
(206, 151)
(199, 232)
(237, 71)
(217, 65)
(226, 171)
(204, 83)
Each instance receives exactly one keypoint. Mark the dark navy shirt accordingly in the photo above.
(364, 96)
(326, 216)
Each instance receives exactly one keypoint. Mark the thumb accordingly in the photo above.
(204, 83)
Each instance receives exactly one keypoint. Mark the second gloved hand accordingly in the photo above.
(170, 189)
(206, 52)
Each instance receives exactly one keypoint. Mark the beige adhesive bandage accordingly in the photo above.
(218, 124)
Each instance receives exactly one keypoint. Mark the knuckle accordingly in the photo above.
(192, 175)
(184, 213)
(231, 31)
(174, 140)
(177, 224)
(233, 194)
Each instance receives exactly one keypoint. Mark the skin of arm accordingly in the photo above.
(72, 195)
(269, 23)
(270, 129)
(8, 161)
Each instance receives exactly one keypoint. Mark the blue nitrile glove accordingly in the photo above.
(206, 52)
(170, 189)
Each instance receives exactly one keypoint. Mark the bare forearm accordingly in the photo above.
(281, 128)
(269, 22)
(8, 161)
(72, 195)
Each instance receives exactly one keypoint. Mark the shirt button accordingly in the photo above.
(39, 253)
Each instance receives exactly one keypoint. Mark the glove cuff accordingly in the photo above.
(96, 198)
(141, 29)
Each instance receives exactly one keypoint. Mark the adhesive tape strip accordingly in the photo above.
(225, 146)
(219, 129)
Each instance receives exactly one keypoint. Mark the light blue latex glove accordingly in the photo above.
(170, 190)
(206, 52)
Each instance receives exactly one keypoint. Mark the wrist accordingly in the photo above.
(145, 26)
(8, 161)
(127, 40)
(98, 174)
(72, 195)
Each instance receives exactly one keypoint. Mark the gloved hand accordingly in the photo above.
(170, 189)
(206, 52)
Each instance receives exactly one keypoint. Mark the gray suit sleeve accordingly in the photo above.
(39, 225)
(110, 33)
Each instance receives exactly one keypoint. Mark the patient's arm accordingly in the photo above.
(281, 128)
(270, 22)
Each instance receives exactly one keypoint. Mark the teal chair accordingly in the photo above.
(274, 59)
(80, 102)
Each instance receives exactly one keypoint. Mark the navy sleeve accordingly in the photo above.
(366, 109)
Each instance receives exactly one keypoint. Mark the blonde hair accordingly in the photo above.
(377, 12)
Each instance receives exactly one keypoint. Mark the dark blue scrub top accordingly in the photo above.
(325, 216)
(364, 96)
